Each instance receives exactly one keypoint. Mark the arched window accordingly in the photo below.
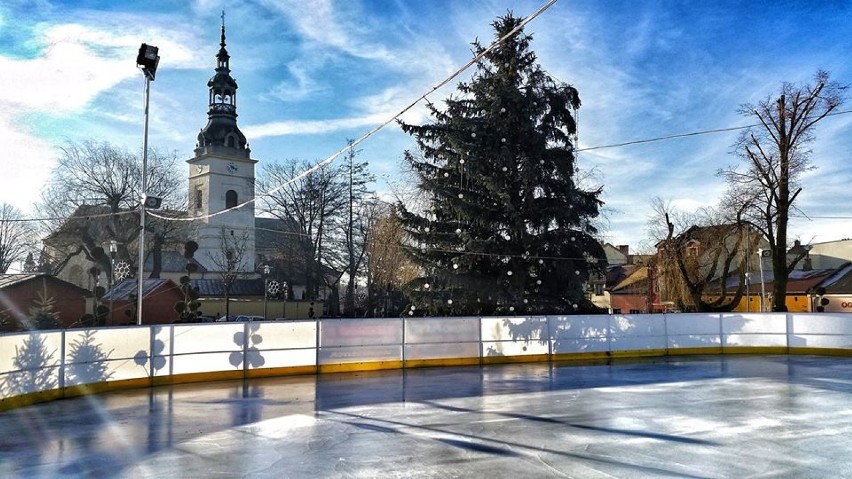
(231, 142)
(230, 199)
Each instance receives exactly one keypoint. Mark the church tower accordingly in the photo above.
(221, 176)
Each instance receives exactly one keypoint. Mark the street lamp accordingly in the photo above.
(147, 59)
(748, 293)
(266, 269)
(113, 248)
(760, 252)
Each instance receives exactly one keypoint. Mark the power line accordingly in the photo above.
(684, 135)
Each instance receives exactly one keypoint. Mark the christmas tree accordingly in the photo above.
(506, 228)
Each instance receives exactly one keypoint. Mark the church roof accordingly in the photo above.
(123, 290)
(271, 233)
(15, 279)
(241, 287)
(173, 262)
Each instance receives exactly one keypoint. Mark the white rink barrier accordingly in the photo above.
(46, 365)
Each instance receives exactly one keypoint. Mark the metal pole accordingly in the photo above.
(762, 285)
(265, 289)
(748, 293)
(141, 268)
(112, 251)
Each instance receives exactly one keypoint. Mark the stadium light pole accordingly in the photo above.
(147, 59)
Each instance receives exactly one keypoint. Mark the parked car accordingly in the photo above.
(239, 318)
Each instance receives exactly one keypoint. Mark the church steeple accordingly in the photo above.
(221, 129)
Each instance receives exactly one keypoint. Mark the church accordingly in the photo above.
(221, 203)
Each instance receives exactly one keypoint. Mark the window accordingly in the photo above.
(599, 289)
(199, 199)
(231, 142)
(616, 311)
(635, 311)
(693, 249)
(230, 199)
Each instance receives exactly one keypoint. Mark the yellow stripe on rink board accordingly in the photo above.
(694, 351)
(15, 402)
(431, 363)
(591, 357)
(364, 366)
(756, 350)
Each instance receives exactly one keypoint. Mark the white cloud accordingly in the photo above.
(24, 177)
(309, 127)
(302, 85)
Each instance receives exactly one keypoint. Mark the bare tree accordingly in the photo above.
(695, 250)
(775, 154)
(17, 237)
(93, 198)
(313, 203)
(228, 260)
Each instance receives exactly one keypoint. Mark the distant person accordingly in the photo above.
(311, 311)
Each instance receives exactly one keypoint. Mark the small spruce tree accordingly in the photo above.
(41, 313)
(507, 229)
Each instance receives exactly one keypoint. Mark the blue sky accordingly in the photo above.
(314, 73)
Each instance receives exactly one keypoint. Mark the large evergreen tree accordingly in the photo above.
(506, 228)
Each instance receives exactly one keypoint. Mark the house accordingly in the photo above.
(158, 302)
(21, 294)
(830, 254)
(834, 293)
(801, 285)
(636, 293)
(620, 265)
(689, 263)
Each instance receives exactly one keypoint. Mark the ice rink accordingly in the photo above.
(708, 416)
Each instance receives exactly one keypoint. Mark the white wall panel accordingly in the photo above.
(359, 354)
(513, 348)
(30, 350)
(513, 328)
(579, 327)
(18, 383)
(567, 346)
(821, 341)
(198, 338)
(202, 363)
(285, 335)
(821, 323)
(103, 371)
(113, 343)
(638, 343)
(770, 340)
(441, 330)
(360, 332)
(693, 324)
(637, 325)
(754, 323)
(694, 341)
(442, 350)
(285, 358)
